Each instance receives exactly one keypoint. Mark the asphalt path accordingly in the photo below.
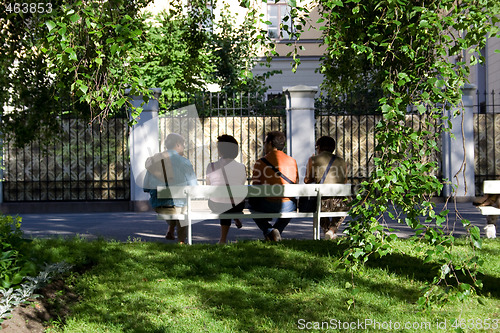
(144, 226)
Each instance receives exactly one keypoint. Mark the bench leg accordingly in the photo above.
(316, 227)
(188, 218)
(316, 219)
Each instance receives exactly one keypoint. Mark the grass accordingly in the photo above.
(254, 287)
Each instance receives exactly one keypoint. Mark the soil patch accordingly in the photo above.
(48, 310)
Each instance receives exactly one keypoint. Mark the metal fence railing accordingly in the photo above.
(355, 137)
(486, 138)
(91, 162)
(247, 117)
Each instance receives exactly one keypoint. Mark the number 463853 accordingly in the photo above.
(25, 8)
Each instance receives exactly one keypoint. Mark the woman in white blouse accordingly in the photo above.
(226, 171)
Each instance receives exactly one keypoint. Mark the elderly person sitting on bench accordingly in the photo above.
(169, 167)
(275, 167)
(226, 171)
(328, 168)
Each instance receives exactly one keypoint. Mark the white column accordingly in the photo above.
(300, 124)
(458, 153)
(143, 142)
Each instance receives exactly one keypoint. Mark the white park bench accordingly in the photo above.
(490, 187)
(204, 192)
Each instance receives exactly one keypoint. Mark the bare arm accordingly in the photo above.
(206, 173)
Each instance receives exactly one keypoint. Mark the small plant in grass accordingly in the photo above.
(17, 283)
(11, 298)
(14, 261)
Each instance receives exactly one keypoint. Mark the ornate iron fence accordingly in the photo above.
(91, 162)
(486, 138)
(86, 162)
(247, 117)
(355, 137)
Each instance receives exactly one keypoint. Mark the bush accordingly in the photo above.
(14, 262)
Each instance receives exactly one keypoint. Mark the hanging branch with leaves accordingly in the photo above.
(419, 53)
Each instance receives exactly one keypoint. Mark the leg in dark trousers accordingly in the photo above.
(263, 205)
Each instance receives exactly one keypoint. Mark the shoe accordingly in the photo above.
(275, 235)
(169, 236)
(330, 235)
(238, 223)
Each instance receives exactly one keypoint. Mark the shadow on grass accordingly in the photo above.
(416, 269)
(407, 266)
(248, 286)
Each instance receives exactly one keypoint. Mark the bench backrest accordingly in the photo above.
(254, 191)
(491, 187)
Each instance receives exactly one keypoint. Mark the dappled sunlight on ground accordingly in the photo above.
(123, 226)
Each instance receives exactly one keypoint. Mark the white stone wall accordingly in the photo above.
(493, 66)
(491, 80)
(305, 74)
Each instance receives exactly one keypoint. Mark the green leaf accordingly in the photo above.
(137, 32)
(114, 48)
(245, 3)
(358, 253)
(476, 237)
(50, 25)
(121, 101)
(465, 287)
(75, 17)
(83, 88)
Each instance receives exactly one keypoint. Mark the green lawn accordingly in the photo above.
(257, 287)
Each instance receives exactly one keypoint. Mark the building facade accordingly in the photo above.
(486, 77)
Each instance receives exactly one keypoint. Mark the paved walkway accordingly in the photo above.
(123, 226)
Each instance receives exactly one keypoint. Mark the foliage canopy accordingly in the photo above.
(81, 56)
(418, 53)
